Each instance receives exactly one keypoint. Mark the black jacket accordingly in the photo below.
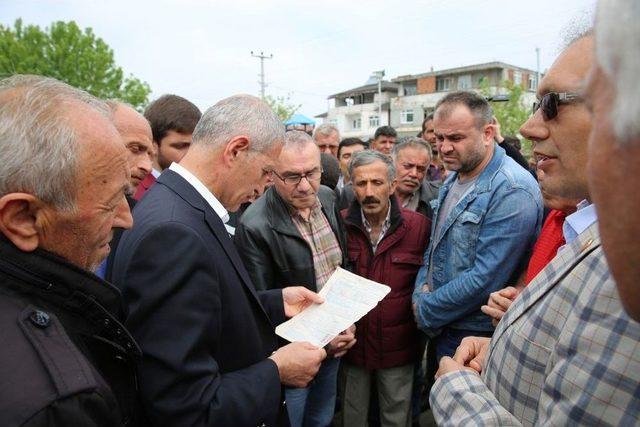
(65, 357)
(274, 252)
(205, 333)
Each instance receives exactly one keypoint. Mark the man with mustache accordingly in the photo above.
(385, 243)
(486, 219)
(412, 157)
(293, 235)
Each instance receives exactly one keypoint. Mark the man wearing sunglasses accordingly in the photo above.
(294, 234)
(565, 353)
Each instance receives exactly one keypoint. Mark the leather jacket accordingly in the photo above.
(274, 252)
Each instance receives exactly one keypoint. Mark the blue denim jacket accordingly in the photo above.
(485, 239)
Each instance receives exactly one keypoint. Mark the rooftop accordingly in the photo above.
(459, 70)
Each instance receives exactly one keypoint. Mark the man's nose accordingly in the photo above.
(123, 217)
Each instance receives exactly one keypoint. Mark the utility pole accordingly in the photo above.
(262, 57)
(379, 75)
(537, 67)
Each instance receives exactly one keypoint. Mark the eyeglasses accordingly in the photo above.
(550, 101)
(292, 180)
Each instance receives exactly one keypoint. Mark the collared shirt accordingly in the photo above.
(579, 221)
(412, 201)
(203, 190)
(385, 227)
(156, 173)
(317, 232)
(340, 184)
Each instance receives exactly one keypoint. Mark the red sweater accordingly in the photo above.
(387, 335)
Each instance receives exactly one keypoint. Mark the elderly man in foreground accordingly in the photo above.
(66, 359)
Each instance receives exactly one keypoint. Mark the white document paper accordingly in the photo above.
(347, 298)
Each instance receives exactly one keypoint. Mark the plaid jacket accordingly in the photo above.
(565, 353)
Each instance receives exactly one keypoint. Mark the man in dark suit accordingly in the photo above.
(210, 353)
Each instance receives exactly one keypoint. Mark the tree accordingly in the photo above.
(511, 113)
(282, 106)
(67, 53)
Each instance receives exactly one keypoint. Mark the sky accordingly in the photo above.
(201, 49)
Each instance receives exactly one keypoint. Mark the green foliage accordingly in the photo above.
(282, 106)
(511, 114)
(67, 53)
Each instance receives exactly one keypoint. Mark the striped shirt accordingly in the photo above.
(317, 232)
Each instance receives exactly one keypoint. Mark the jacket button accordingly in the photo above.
(40, 319)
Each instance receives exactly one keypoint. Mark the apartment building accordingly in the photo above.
(407, 99)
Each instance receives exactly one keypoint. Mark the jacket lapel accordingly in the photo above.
(188, 193)
(566, 259)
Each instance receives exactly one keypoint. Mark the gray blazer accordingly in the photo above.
(565, 353)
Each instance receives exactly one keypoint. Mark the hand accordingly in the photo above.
(499, 302)
(471, 352)
(447, 365)
(298, 363)
(339, 346)
(496, 128)
(297, 298)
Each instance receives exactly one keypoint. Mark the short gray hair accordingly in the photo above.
(325, 129)
(618, 54)
(38, 143)
(239, 115)
(297, 138)
(367, 157)
(410, 142)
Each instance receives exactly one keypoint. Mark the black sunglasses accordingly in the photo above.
(550, 101)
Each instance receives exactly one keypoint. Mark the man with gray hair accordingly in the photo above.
(485, 223)
(327, 138)
(66, 358)
(614, 148)
(211, 356)
(412, 157)
(385, 244)
(294, 235)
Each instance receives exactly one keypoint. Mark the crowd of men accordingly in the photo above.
(146, 259)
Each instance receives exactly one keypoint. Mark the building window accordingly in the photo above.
(410, 88)
(443, 84)
(356, 123)
(464, 82)
(406, 116)
(374, 121)
(532, 82)
(517, 77)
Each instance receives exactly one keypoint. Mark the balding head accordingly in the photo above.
(63, 163)
(137, 138)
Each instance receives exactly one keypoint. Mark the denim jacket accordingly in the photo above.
(484, 241)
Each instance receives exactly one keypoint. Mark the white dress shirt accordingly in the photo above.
(203, 190)
(579, 221)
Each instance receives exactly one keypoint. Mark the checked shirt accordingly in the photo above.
(565, 353)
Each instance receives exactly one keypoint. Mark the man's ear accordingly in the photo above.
(236, 148)
(18, 220)
(489, 133)
(393, 186)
